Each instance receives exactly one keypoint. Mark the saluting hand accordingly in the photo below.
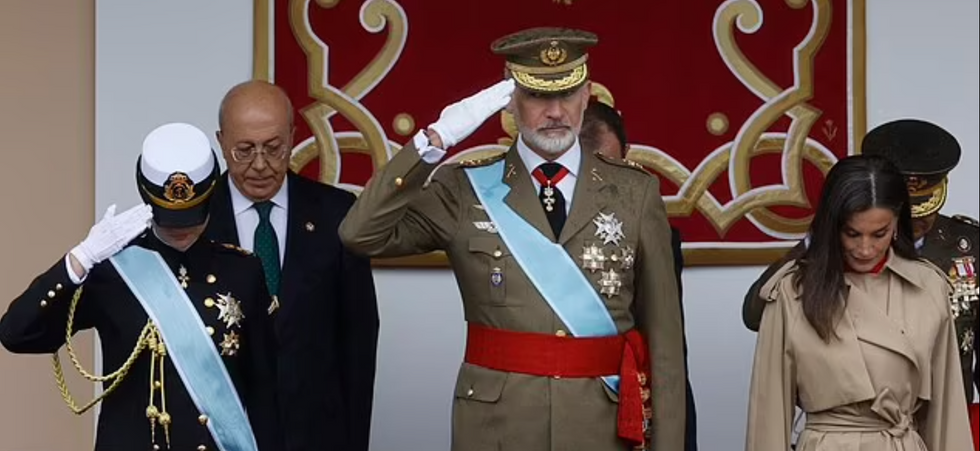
(459, 120)
(109, 236)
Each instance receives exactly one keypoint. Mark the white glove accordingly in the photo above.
(459, 120)
(112, 234)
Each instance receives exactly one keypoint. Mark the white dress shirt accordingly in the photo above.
(247, 218)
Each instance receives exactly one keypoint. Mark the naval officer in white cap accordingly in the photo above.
(185, 324)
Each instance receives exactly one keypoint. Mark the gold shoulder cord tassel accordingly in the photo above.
(157, 415)
(149, 339)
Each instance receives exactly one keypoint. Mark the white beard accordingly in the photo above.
(549, 145)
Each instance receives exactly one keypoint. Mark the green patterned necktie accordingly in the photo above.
(267, 246)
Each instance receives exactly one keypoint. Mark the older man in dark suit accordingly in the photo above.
(325, 312)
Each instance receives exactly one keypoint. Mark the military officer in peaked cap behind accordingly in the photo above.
(187, 340)
(925, 153)
(562, 258)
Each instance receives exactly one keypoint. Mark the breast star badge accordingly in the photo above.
(592, 258)
(608, 228)
(229, 346)
(230, 310)
(610, 283)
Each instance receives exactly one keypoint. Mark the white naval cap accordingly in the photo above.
(176, 173)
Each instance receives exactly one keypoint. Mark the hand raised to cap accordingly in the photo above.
(461, 119)
(111, 234)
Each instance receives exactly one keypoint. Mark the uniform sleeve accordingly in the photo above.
(261, 393)
(772, 392)
(947, 423)
(659, 319)
(399, 214)
(36, 321)
(754, 303)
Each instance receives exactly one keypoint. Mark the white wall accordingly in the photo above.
(168, 61)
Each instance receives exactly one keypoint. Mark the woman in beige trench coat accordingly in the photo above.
(858, 332)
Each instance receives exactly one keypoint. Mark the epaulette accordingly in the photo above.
(622, 162)
(477, 162)
(967, 220)
(232, 247)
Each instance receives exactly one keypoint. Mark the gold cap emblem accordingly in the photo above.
(178, 188)
(553, 55)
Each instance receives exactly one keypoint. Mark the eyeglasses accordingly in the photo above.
(248, 154)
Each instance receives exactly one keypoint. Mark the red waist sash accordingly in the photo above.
(548, 355)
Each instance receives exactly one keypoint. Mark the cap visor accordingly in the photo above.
(178, 219)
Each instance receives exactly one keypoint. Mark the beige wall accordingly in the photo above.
(47, 123)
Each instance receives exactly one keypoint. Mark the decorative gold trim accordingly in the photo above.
(578, 75)
(551, 70)
(935, 202)
(261, 33)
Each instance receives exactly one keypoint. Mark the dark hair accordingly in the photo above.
(855, 184)
(596, 115)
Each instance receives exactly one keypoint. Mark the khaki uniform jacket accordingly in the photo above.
(890, 382)
(399, 214)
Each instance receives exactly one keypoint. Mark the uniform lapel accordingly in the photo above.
(586, 202)
(523, 198)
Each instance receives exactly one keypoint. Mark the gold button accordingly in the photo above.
(211, 278)
(497, 253)
(561, 333)
(51, 294)
(157, 384)
(202, 448)
(156, 447)
(469, 393)
(44, 303)
(210, 330)
(399, 181)
(209, 302)
(203, 419)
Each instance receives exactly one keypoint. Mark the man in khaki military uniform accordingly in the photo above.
(562, 258)
(925, 153)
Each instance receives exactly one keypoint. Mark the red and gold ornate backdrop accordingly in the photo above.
(739, 106)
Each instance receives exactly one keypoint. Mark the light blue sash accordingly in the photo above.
(549, 267)
(190, 347)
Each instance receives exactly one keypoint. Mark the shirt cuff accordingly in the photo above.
(71, 272)
(429, 153)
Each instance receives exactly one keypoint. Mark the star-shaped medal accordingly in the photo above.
(229, 346)
(592, 258)
(610, 283)
(230, 310)
(608, 228)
